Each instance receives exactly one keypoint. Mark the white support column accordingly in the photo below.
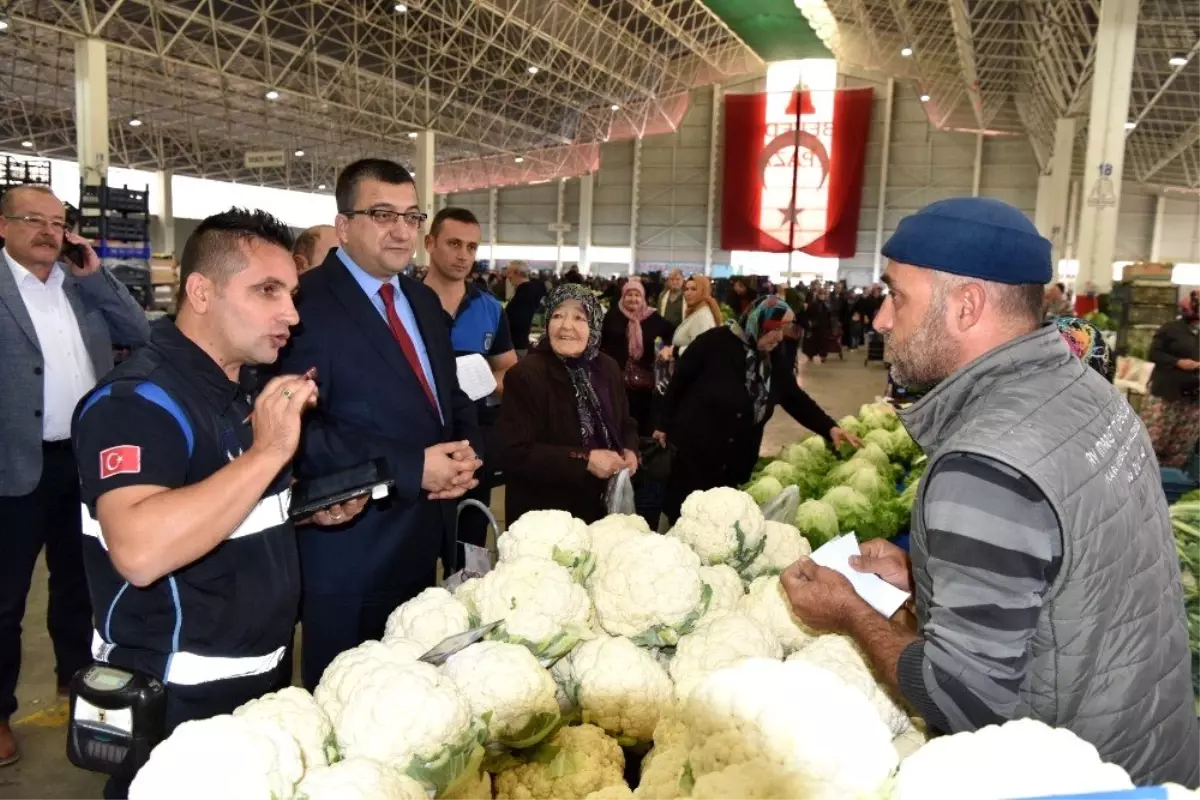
(977, 172)
(714, 150)
(1104, 166)
(587, 199)
(1044, 207)
(426, 199)
(881, 206)
(635, 201)
(493, 225)
(91, 109)
(1060, 186)
(1071, 249)
(1160, 211)
(560, 209)
(162, 204)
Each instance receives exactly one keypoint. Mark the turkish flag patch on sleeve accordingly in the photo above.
(124, 459)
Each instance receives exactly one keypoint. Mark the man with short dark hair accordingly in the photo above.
(187, 542)
(312, 246)
(385, 361)
(59, 319)
(1044, 569)
(527, 297)
(479, 327)
(1057, 304)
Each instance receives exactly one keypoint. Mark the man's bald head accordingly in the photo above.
(313, 245)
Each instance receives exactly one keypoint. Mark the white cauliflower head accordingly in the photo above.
(256, 759)
(295, 711)
(618, 791)
(607, 533)
(727, 590)
(359, 779)
(507, 682)
(429, 618)
(348, 667)
(649, 589)
(572, 764)
(541, 606)
(804, 725)
(550, 535)
(439, 740)
(716, 644)
(723, 526)
(617, 685)
(1021, 758)
(767, 603)
(665, 764)
(785, 545)
(467, 593)
(840, 655)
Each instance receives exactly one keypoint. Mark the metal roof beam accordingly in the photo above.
(960, 19)
(1189, 138)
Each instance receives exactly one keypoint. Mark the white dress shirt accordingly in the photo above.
(67, 372)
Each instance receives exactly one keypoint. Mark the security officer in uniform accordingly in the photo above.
(479, 326)
(191, 559)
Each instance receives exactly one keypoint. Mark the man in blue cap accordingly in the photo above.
(1043, 565)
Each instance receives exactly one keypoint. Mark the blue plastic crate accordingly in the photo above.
(1176, 483)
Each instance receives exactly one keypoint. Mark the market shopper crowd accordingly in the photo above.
(1042, 567)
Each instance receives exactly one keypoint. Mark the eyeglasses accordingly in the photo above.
(386, 218)
(56, 225)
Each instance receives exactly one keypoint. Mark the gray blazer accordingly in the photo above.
(106, 312)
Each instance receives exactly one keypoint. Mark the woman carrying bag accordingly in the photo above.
(726, 387)
(628, 336)
(564, 429)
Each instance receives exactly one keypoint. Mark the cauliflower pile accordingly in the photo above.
(613, 641)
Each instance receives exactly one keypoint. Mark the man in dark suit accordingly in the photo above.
(385, 366)
(58, 323)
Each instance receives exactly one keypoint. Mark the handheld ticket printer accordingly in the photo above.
(117, 717)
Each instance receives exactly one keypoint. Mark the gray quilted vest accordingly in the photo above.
(1110, 655)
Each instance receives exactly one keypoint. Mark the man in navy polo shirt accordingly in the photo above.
(479, 326)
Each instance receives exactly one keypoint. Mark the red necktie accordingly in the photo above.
(388, 293)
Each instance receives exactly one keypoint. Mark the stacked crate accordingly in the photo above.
(1144, 302)
(117, 221)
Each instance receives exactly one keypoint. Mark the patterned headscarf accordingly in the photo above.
(1087, 343)
(595, 421)
(765, 316)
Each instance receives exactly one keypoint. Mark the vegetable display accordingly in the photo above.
(1185, 521)
(617, 648)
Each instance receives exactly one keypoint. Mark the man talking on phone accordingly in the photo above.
(191, 558)
(59, 319)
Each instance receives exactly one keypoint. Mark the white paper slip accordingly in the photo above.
(475, 377)
(881, 595)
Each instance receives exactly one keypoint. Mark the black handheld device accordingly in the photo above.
(117, 717)
(314, 494)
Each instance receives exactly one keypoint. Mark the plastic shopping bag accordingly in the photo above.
(619, 497)
(783, 507)
(479, 560)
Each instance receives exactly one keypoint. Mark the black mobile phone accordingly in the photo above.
(74, 253)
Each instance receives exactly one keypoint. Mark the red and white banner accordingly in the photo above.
(793, 170)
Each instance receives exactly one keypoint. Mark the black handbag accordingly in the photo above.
(655, 460)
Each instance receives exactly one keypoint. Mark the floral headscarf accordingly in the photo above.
(1087, 343)
(765, 316)
(595, 420)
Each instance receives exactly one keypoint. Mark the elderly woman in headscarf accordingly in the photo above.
(629, 334)
(1172, 411)
(726, 387)
(564, 429)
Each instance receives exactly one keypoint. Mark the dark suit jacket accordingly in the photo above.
(372, 405)
(541, 446)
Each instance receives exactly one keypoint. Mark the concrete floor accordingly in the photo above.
(44, 772)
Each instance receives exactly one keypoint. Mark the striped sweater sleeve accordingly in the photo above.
(995, 546)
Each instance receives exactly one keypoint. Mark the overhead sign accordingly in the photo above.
(262, 159)
(1103, 194)
(559, 227)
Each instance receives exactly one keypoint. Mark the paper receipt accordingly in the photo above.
(880, 594)
(475, 377)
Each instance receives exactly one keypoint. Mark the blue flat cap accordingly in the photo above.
(975, 237)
